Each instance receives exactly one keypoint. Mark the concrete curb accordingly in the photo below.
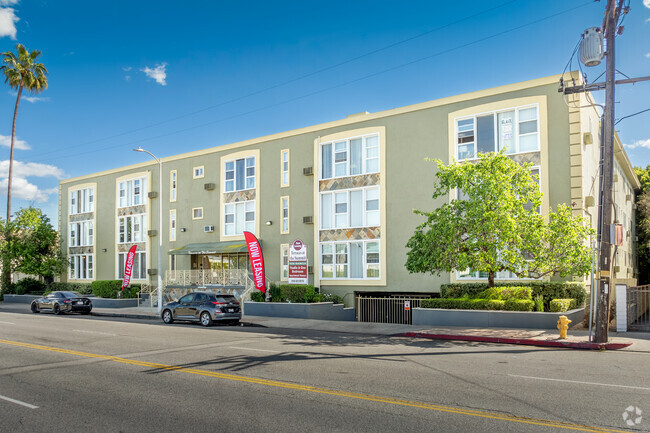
(126, 315)
(525, 342)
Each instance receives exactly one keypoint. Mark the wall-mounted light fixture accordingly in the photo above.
(183, 229)
(268, 223)
(104, 250)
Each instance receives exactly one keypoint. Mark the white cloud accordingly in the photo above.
(31, 99)
(638, 143)
(646, 3)
(8, 2)
(158, 73)
(647, 55)
(23, 189)
(127, 68)
(8, 20)
(5, 140)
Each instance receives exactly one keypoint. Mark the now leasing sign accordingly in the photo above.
(257, 260)
(298, 263)
(128, 267)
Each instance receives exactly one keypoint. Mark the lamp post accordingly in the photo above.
(139, 149)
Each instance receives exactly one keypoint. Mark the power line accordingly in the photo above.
(403, 65)
(634, 114)
(284, 83)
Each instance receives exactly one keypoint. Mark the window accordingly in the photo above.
(197, 213)
(81, 267)
(284, 251)
(172, 262)
(239, 217)
(139, 271)
(130, 192)
(350, 208)
(81, 234)
(285, 168)
(82, 201)
(350, 260)
(350, 157)
(284, 213)
(172, 225)
(239, 174)
(515, 130)
(197, 172)
(173, 179)
(132, 228)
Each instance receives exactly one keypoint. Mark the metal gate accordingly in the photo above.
(393, 309)
(638, 308)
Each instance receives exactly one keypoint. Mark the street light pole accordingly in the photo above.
(139, 149)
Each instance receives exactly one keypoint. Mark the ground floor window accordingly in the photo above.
(350, 260)
(139, 271)
(81, 267)
(220, 262)
(284, 249)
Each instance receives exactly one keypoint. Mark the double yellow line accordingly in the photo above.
(306, 388)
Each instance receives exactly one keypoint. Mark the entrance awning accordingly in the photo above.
(212, 248)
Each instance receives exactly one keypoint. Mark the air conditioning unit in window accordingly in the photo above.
(151, 233)
(308, 171)
(209, 186)
(152, 194)
(152, 271)
(308, 220)
(208, 229)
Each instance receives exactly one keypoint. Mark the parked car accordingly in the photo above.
(203, 307)
(63, 302)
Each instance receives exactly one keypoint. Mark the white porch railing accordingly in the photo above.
(224, 277)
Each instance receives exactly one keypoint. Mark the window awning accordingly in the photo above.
(212, 248)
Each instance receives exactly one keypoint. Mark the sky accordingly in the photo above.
(176, 77)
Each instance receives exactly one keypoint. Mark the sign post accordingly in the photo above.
(298, 263)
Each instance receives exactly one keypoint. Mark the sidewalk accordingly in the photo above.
(578, 339)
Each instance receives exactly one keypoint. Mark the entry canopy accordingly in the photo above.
(211, 248)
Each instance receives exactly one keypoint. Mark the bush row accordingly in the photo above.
(297, 294)
(562, 305)
(478, 304)
(111, 289)
(548, 290)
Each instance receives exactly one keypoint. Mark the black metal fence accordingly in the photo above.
(638, 308)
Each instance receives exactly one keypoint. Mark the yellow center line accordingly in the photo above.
(307, 388)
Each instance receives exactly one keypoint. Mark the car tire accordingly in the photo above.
(167, 317)
(206, 319)
(56, 309)
(34, 308)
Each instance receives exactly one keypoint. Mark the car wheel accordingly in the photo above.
(35, 308)
(206, 320)
(167, 317)
(56, 309)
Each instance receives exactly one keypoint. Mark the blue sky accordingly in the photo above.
(174, 77)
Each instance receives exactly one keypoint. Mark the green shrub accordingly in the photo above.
(562, 305)
(329, 297)
(275, 292)
(257, 296)
(298, 293)
(505, 293)
(29, 285)
(83, 288)
(519, 305)
(539, 303)
(495, 304)
(478, 304)
(111, 289)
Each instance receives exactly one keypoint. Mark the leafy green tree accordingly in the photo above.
(33, 248)
(643, 224)
(495, 225)
(21, 71)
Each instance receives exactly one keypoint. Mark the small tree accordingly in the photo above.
(495, 225)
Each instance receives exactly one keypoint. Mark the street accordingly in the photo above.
(90, 374)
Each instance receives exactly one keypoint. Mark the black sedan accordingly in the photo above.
(203, 307)
(63, 302)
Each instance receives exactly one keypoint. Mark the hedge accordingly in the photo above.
(298, 293)
(505, 293)
(478, 304)
(548, 289)
(562, 305)
(83, 288)
(111, 288)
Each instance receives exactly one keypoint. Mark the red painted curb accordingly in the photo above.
(522, 341)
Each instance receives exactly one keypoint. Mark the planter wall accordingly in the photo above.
(97, 302)
(492, 319)
(320, 310)
(20, 299)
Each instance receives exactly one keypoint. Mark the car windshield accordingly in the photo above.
(71, 294)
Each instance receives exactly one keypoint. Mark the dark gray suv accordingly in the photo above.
(203, 307)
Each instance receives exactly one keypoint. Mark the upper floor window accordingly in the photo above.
(284, 213)
(173, 180)
(172, 225)
(132, 228)
(82, 200)
(350, 157)
(197, 213)
(240, 174)
(350, 208)
(81, 234)
(239, 217)
(198, 172)
(285, 168)
(515, 130)
(131, 192)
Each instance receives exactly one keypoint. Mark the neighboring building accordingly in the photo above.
(346, 188)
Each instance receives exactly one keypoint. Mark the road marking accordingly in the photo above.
(22, 403)
(326, 391)
(7, 323)
(250, 348)
(580, 382)
(94, 332)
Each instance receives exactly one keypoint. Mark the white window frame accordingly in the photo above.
(140, 257)
(515, 132)
(172, 225)
(328, 225)
(284, 262)
(173, 185)
(285, 163)
(137, 236)
(366, 264)
(78, 272)
(131, 195)
(194, 213)
(284, 214)
(246, 176)
(81, 233)
(345, 148)
(233, 224)
(81, 200)
(198, 172)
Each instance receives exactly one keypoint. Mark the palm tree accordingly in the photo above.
(21, 72)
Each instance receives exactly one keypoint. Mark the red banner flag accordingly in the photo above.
(257, 260)
(128, 267)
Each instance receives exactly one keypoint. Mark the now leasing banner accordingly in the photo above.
(257, 260)
(128, 267)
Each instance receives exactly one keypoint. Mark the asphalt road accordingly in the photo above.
(74, 373)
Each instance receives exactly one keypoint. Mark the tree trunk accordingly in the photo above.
(11, 156)
(491, 279)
